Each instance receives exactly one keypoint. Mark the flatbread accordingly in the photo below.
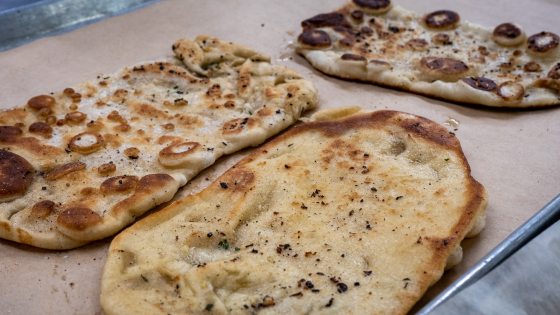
(436, 54)
(79, 165)
(351, 216)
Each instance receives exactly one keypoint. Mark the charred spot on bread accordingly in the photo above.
(41, 128)
(326, 20)
(65, 169)
(214, 91)
(75, 117)
(357, 15)
(132, 153)
(444, 65)
(16, 175)
(543, 42)
(41, 102)
(153, 181)
(106, 168)
(532, 66)
(441, 39)
(116, 116)
(237, 180)
(353, 57)
(78, 218)
(508, 34)
(119, 184)
(235, 126)
(346, 41)
(442, 20)
(443, 68)
(554, 73)
(42, 209)
(417, 44)
(9, 133)
(374, 6)
(315, 38)
(366, 31)
(481, 83)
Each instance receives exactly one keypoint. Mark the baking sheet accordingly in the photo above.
(25, 20)
(516, 155)
(530, 231)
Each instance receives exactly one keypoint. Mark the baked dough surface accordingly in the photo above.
(357, 215)
(461, 62)
(81, 164)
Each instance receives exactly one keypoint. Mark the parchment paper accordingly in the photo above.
(516, 155)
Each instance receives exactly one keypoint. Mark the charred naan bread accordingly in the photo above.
(80, 165)
(435, 54)
(351, 216)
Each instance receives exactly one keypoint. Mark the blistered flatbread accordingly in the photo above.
(436, 54)
(81, 164)
(352, 216)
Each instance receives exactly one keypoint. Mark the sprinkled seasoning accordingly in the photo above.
(223, 244)
(341, 287)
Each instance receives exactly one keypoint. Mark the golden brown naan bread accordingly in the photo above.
(80, 165)
(436, 54)
(352, 216)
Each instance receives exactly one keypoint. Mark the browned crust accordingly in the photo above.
(420, 127)
(78, 218)
(16, 175)
(42, 209)
(41, 128)
(443, 248)
(119, 184)
(145, 188)
(437, 97)
(71, 120)
(417, 126)
(65, 169)
(237, 180)
(237, 125)
(41, 102)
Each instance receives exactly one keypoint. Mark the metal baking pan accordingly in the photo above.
(547, 216)
(27, 20)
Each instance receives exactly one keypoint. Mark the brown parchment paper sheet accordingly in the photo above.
(516, 155)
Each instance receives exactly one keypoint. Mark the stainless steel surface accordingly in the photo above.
(525, 283)
(535, 225)
(22, 24)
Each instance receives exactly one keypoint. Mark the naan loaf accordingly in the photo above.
(435, 54)
(351, 216)
(80, 165)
